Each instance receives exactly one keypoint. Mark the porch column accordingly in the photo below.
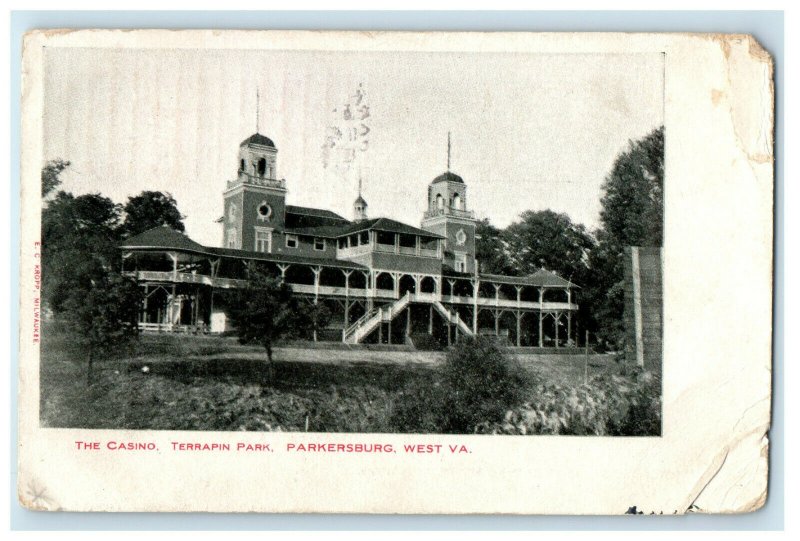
(174, 258)
(569, 326)
(316, 271)
(475, 288)
(396, 280)
(371, 288)
(541, 341)
(519, 326)
(408, 320)
(496, 322)
(146, 296)
(496, 294)
(172, 308)
(283, 269)
(557, 319)
(430, 319)
(347, 274)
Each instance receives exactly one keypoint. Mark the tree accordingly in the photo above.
(102, 312)
(547, 239)
(51, 173)
(79, 236)
(266, 311)
(148, 210)
(633, 202)
(632, 215)
(490, 250)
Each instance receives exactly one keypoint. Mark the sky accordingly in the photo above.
(528, 131)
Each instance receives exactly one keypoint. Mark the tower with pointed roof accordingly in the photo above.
(359, 205)
(447, 215)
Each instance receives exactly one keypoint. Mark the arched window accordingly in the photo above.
(262, 167)
(457, 203)
(439, 201)
(241, 165)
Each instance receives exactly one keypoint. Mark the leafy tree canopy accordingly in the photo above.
(490, 250)
(51, 173)
(267, 311)
(79, 236)
(633, 200)
(101, 308)
(151, 209)
(551, 240)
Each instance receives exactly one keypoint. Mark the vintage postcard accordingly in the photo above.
(354, 272)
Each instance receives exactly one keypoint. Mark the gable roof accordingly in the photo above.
(285, 258)
(162, 237)
(349, 228)
(317, 213)
(389, 225)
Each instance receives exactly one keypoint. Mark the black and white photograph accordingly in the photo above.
(352, 242)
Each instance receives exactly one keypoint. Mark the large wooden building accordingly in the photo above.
(384, 281)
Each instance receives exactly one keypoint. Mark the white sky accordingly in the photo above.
(529, 131)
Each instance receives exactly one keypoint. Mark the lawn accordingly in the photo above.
(210, 383)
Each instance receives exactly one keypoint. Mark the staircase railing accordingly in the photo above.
(452, 317)
(364, 323)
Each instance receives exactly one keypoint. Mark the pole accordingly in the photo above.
(586, 360)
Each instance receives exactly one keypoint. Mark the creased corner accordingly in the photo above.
(736, 479)
(33, 495)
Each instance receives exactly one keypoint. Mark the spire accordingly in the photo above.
(360, 204)
(448, 152)
(258, 103)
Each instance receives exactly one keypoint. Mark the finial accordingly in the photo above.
(359, 182)
(448, 152)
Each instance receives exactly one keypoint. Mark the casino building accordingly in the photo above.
(384, 281)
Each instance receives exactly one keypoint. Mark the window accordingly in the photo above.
(291, 241)
(233, 241)
(264, 212)
(232, 212)
(319, 244)
(263, 240)
(241, 165)
(461, 262)
(439, 201)
(457, 204)
(262, 167)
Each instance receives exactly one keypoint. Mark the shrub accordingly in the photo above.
(609, 405)
(477, 382)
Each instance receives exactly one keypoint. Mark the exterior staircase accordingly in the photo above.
(367, 323)
(452, 317)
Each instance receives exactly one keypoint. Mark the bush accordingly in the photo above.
(477, 382)
(609, 405)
